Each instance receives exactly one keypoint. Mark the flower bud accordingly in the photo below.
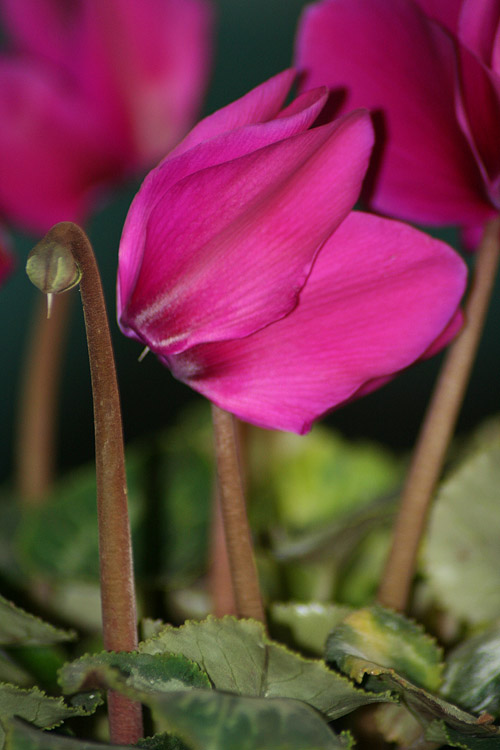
(52, 268)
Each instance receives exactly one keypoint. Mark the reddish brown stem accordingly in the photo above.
(115, 549)
(221, 583)
(437, 429)
(36, 432)
(238, 539)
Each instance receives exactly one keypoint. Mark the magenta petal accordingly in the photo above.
(147, 63)
(478, 27)
(52, 150)
(391, 57)
(6, 259)
(40, 28)
(380, 293)
(478, 111)
(446, 12)
(223, 148)
(227, 250)
(260, 105)
(444, 338)
(93, 91)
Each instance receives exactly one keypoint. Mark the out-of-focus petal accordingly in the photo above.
(155, 56)
(228, 249)
(445, 12)
(478, 111)
(379, 294)
(51, 148)
(391, 58)
(123, 82)
(471, 236)
(478, 27)
(6, 259)
(43, 28)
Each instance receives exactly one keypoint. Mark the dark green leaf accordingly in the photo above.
(17, 627)
(170, 488)
(211, 720)
(162, 741)
(34, 706)
(354, 648)
(472, 676)
(159, 673)
(23, 736)
(470, 742)
(239, 658)
(12, 672)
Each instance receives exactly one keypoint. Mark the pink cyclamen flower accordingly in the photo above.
(430, 71)
(243, 268)
(91, 91)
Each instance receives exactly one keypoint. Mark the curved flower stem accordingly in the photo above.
(35, 454)
(437, 428)
(239, 544)
(115, 549)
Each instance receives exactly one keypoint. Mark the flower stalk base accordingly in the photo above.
(239, 544)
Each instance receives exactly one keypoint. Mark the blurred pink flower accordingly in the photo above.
(90, 91)
(431, 70)
(6, 260)
(243, 268)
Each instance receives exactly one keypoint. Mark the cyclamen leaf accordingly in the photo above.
(212, 720)
(18, 627)
(378, 635)
(349, 650)
(239, 658)
(462, 546)
(59, 540)
(469, 742)
(23, 736)
(437, 716)
(140, 672)
(472, 676)
(34, 706)
(162, 741)
(206, 719)
(12, 672)
(321, 479)
(309, 624)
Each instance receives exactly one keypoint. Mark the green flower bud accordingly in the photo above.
(52, 268)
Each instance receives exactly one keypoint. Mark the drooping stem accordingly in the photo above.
(115, 549)
(437, 428)
(37, 416)
(237, 531)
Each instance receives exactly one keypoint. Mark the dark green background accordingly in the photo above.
(254, 41)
